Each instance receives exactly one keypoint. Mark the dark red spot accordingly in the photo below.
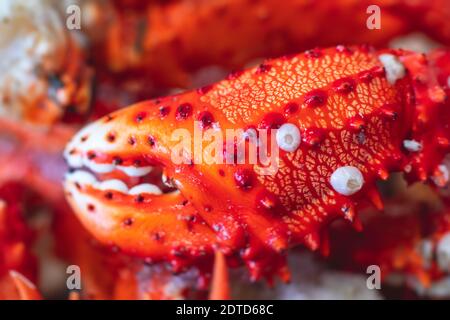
(131, 141)
(263, 68)
(244, 179)
(221, 172)
(91, 155)
(128, 222)
(164, 111)
(77, 185)
(108, 118)
(291, 108)
(316, 98)
(344, 86)
(109, 195)
(91, 207)
(272, 120)
(183, 111)
(205, 89)
(84, 138)
(206, 119)
(314, 53)
(111, 137)
(117, 161)
(369, 75)
(151, 141)
(137, 162)
(139, 198)
(157, 236)
(140, 116)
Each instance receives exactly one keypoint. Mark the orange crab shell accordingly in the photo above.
(350, 112)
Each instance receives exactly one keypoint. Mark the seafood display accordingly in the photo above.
(199, 149)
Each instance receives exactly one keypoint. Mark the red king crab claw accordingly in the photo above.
(345, 117)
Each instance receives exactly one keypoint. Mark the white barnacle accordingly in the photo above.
(394, 68)
(288, 137)
(347, 180)
(412, 145)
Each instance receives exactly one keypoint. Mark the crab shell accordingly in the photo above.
(358, 112)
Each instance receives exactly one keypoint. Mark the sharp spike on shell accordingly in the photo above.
(375, 198)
